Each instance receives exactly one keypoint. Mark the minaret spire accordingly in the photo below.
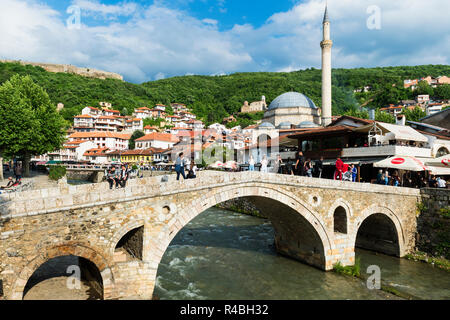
(326, 46)
(325, 16)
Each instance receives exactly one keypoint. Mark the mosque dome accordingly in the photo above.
(284, 125)
(307, 124)
(266, 125)
(292, 99)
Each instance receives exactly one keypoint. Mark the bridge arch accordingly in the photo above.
(126, 228)
(381, 217)
(77, 250)
(199, 205)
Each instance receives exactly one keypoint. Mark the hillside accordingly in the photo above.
(214, 97)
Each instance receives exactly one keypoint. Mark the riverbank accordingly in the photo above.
(439, 262)
(241, 205)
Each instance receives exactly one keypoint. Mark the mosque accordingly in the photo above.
(293, 109)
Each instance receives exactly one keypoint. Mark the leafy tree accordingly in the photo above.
(424, 88)
(442, 92)
(414, 115)
(124, 112)
(29, 122)
(136, 135)
(384, 117)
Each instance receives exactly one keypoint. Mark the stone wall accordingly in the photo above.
(241, 205)
(433, 223)
(89, 221)
(65, 68)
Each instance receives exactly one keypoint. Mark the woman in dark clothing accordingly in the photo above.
(299, 163)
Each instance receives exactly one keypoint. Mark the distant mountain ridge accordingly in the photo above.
(214, 97)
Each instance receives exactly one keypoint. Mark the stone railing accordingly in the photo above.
(69, 197)
(389, 150)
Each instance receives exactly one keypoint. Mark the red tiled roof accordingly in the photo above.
(159, 137)
(84, 116)
(100, 134)
(96, 152)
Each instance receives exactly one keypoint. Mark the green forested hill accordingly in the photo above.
(214, 97)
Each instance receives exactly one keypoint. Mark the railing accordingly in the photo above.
(386, 150)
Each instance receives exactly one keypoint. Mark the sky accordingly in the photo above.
(151, 40)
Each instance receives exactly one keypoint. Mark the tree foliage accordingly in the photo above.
(213, 98)
(136, 135)
(29, 122)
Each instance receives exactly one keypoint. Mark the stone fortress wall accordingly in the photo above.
(65, 68)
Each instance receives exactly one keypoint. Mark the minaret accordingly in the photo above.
(326, 45)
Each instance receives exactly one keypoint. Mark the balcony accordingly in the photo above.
(387, 150)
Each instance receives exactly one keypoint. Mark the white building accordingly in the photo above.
(104, 139)
(156, 140)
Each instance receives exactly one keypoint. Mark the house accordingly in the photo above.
(160, 107)
(97, 155)
(143, 113)
(150, 129)
(91, 111)
(103, 139)
(156, 140)
(423, 98)
(83, 121)
(440, 119)
(179, 107)
(138, 156)
(195, 124)
(134, 124)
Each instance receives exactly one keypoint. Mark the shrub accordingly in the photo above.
(56, 172)
(353, 271)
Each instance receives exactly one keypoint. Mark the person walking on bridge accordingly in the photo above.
(299, 164)
(339, 169)
(179, 166)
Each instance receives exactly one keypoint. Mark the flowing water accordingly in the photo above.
(226, 255)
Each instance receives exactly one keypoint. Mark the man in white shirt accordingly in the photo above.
(441, 182)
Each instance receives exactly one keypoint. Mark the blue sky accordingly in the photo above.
(150, 40)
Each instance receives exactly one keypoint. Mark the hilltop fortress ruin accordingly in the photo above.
(66, 68)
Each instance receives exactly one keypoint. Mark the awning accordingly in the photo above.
(396, 132)
(439, 171)
(440, 162)
(402, 163)
(439, 166)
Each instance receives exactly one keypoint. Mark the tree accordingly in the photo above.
(414, 115)
(136, 135)
(424, 88)
(29, 122)
(384, 117)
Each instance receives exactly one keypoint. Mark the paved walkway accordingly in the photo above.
(40, 180)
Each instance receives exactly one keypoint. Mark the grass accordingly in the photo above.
(353, 271)
(441, 263)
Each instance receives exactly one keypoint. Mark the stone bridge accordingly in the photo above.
(123, 234)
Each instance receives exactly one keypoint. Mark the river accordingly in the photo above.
(226, 255)
(231, 256)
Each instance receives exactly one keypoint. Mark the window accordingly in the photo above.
(340, 220)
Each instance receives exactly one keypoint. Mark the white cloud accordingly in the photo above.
(94, 7)
(157, 40)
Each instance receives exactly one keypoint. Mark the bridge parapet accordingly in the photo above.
(68, 197)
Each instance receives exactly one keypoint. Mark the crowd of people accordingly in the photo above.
(417, 180)
(302, 166)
